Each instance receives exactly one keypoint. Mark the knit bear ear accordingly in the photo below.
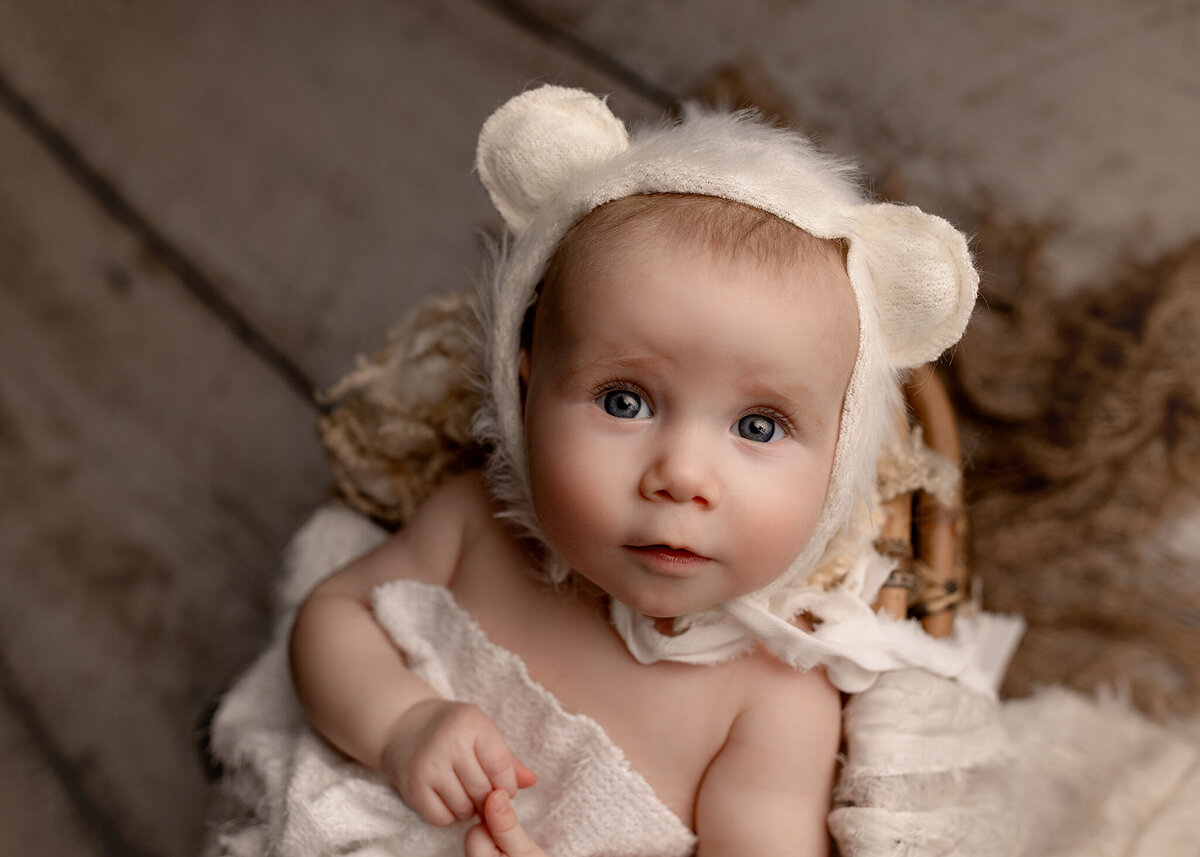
(530, 147)
(925, 282)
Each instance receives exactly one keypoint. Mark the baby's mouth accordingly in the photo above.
(667, 553)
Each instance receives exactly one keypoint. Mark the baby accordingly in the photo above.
(690, 351)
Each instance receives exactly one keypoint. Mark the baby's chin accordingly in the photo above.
(661, 610)
(663, 606)
(664, 610)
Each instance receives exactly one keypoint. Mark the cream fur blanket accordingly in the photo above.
(932, 768)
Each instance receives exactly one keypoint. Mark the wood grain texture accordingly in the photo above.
(1084, 113)
(36, 816)
(314, 159)
(202, 207)
(152, 468)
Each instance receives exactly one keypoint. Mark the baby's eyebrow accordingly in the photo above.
(793, 404)
(611, 361)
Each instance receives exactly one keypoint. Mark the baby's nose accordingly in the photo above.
(683, 471)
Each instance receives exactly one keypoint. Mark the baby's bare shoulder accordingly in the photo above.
(773, 778)
(457, 507)
(429, 547)
(770, 692)
(788, 732)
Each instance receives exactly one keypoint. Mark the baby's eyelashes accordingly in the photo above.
(759, 428)
(762, 426)
(624, 404)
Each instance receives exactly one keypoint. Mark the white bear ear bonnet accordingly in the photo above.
(550, 155)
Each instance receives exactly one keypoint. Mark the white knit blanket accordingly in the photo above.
(932, 768)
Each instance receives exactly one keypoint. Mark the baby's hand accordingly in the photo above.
(445, 758)
(499, 834)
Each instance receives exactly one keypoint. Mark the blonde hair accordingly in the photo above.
(723, 226)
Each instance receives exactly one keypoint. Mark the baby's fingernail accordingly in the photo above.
(500, 800)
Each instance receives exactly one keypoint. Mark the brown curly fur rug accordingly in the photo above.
(1081, 422)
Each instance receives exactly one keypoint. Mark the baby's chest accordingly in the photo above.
(668, 719)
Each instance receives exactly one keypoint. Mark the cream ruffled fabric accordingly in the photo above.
(854, 643)
(936, 770)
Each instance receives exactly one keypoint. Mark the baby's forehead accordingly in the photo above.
(725, 233)
(641, 287)
(728, 230)
(787, 261)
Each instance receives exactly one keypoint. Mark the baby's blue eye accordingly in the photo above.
(759, 428)
(624, 405)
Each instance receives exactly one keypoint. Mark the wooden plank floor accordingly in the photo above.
(202, 215)
(1079, 112)
(206, 209)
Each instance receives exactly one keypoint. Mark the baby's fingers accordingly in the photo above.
(499, 834)
(477, 780)
(478, 843)
(525, 777)
(459, 798)
(431, 806)
(505, 832)
(502, 769)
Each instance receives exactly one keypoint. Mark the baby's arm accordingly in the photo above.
(443, 757)
(769, 790)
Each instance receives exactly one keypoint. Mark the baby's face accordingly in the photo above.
(682, 412)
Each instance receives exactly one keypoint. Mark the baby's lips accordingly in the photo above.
(668, 550)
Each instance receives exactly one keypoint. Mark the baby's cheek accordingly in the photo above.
(570, 489)
(778, 533)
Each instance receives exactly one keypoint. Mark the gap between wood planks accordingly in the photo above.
(108, 834)
(193, 279)
(569, 43)
(97, 820)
